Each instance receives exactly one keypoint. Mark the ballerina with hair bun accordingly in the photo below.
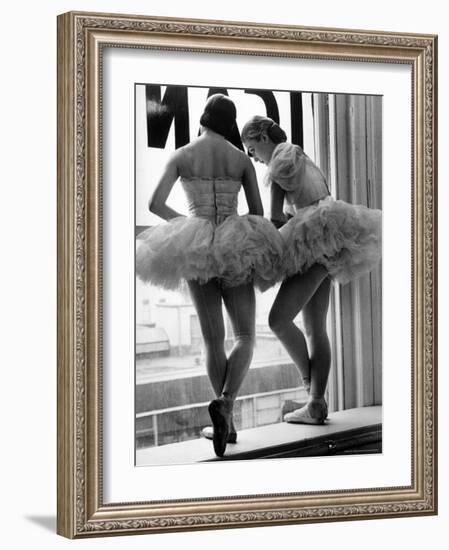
(220, 254)
(325, 240)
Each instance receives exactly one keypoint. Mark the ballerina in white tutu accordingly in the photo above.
(220, 254)
(325, 240)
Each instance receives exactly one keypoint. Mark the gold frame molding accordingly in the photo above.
(81, 37)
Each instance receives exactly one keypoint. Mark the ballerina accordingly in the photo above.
(220, 254)
(324, 240)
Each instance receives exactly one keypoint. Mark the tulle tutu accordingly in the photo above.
(177, 249)
(241, 249)
(248, 248)
(345, 238)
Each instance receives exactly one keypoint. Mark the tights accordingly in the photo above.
(309, 293)
(226, 374)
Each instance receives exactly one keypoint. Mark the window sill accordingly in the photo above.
(354, 431)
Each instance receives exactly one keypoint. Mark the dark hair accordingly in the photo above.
(219, 115)
(259, 125)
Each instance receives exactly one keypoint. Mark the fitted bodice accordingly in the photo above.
(212, 198)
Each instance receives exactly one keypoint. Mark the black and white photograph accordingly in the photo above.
(221, 310)
(258, 273)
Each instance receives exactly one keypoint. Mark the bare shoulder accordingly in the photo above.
(247, 164)
(239, 156)
(189, 149)
(178, 153)
(178, 156)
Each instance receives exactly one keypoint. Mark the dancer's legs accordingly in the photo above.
(207, 300)
(294, 294)
(314, 316)
(240, 303)
(226, 375)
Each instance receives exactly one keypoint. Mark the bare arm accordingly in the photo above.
(277, 215)
(251, 189)
(157, 203)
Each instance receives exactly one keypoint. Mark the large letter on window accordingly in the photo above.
(271, 105)
(161, 114)
(297, 118)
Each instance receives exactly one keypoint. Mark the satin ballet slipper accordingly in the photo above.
(292, 406)
(314, 412)
(220, 411)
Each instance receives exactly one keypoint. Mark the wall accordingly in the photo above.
(28, 320)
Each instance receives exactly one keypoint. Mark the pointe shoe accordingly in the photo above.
(220, 413)
(291, 406)
(315, 412)
(208, 433)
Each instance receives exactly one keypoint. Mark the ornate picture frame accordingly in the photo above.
(82, 509)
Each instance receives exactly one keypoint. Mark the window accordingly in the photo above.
(343, 135)
(348, 132)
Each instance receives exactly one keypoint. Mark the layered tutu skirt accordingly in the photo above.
(239, 250)
(345, 238)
